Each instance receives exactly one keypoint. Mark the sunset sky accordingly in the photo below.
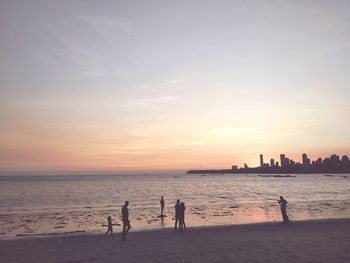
(112, 86)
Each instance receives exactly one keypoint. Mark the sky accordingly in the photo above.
(112, 86)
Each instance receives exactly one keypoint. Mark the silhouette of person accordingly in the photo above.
(283, 205)
(177, 213)
(110, 226)
(125, 219)
(162, 203)
(182, 224)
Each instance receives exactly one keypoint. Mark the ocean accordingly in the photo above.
(33, 206)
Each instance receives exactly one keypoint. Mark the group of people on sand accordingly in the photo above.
(125, 219)
(179, 216)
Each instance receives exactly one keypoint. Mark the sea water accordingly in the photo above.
(54, 205)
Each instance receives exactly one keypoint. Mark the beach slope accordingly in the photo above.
(307, 241)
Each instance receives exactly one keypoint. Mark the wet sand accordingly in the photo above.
(304, 241)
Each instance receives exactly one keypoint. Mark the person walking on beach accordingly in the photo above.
(182, 224)
(110, 226)
(177, 213)
(125, 219)
(283, 205)
(162, 203)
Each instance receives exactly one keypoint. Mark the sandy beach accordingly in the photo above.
(304, 241)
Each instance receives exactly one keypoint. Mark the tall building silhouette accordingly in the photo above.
(306, 161)
(261, 160)
(272, 162)
(283, 160)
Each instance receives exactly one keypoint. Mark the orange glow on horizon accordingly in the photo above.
(120, 90)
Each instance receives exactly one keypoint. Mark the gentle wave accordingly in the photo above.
(31, 206)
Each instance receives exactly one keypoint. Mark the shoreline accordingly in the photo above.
(324, 240)
(82, 233)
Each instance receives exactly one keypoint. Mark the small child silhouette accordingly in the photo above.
(110, 226)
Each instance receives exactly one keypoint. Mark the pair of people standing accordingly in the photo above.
(180, 215)
(125, 219)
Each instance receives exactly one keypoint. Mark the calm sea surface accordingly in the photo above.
(50, 205)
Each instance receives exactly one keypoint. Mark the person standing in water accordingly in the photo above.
(177, 213)
(283, 205)
(125, 219)
(162, 203)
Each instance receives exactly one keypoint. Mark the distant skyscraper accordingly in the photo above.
(306, 161)
(261, 160)
(272, 162)
(283, 160)
(304, 158)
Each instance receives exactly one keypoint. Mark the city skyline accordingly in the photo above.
(304, 161)
(285, 165)
(90, 87)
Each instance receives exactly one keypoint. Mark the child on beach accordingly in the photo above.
(110, 226)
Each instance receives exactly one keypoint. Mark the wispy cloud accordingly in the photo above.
(85, 45)
(149, 103)
(108, 25)
(159, 84)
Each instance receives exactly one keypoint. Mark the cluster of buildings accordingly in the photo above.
(332, 164)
